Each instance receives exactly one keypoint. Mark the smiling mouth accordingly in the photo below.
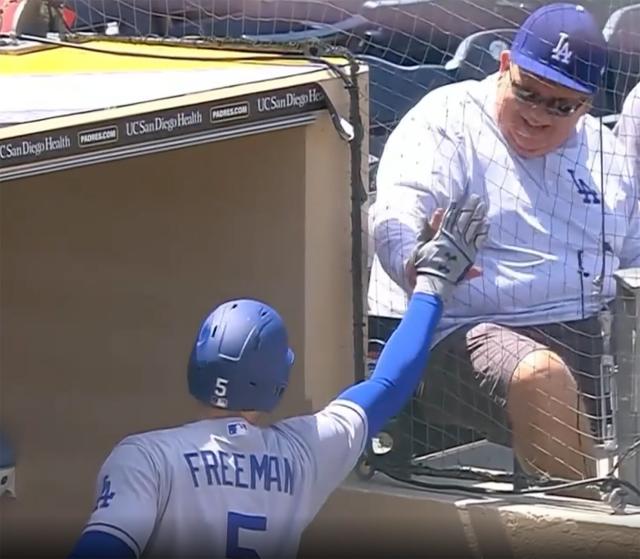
(533, 126)
(525, 129)
(525, 143)
(523, 134)
(527, 134)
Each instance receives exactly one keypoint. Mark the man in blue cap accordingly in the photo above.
(518, 353)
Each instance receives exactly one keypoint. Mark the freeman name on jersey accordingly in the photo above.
(219, 468)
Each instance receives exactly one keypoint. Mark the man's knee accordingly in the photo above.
(551, 431)
(543, 374)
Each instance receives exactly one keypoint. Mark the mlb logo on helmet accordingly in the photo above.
(220, 402)
(563, 44)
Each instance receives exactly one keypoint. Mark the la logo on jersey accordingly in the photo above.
(589, 195)
(561, 51)
(106, 495)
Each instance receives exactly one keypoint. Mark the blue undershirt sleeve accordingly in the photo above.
(401, 363)
(95, 544)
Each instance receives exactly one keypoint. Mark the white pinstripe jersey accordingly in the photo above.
(628, 126)
(545, 246)
(226, 488)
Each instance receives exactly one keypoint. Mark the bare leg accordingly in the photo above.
(551, 431)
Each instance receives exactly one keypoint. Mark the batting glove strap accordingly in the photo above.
(443, 258)
(442, 262)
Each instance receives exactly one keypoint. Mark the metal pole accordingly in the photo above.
(358, 198)
(627, 378)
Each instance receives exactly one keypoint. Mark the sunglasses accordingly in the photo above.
(556, 106)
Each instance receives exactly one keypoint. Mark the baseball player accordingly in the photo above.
(627, 128)
(225, 487)
(517, 353)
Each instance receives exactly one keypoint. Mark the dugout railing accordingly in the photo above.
(627, 377)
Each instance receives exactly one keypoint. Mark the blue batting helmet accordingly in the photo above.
(241, 358)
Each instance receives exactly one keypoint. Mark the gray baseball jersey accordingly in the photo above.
(224, 487)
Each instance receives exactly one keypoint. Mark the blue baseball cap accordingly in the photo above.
(562, 43)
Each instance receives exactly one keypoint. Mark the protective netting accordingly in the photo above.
(576, 236)
(434, 42)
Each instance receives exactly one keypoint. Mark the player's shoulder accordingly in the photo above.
(157, 443)
(343, 407)
(345, 413)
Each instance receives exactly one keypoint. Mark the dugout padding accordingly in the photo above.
(106, 272)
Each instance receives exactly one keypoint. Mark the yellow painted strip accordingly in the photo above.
(61, 60)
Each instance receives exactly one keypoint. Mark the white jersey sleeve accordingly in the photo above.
(329, 443)
(627, 128)
(127, 496)
(630, 253)
(422, 167)
(627, 131)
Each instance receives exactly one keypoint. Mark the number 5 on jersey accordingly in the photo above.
(220, 392)
(236, 521)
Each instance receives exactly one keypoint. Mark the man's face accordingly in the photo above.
(534, 115)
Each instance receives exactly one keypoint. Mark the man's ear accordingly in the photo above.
(505, 60)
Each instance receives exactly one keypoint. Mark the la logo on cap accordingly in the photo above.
(561, 51)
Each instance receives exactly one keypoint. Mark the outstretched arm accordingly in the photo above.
(331, 441)
(440, 264)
